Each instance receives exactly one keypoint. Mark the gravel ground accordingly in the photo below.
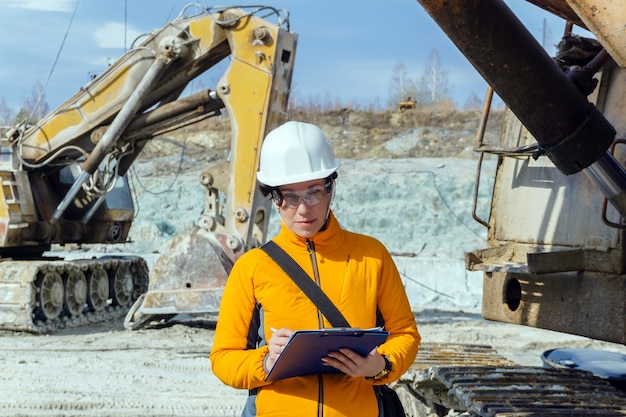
(105, 370)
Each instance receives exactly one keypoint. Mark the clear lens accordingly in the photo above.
(310, 197)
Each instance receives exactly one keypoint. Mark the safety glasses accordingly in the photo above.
(290, 199)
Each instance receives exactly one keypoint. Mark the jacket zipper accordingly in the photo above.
(310, 246)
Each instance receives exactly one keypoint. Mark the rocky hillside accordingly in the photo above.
(354, 135)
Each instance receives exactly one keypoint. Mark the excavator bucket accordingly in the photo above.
(187, 279)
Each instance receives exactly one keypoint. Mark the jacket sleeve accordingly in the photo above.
(231, 361)
(402, 344)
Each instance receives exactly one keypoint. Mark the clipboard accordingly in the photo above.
(305, 349)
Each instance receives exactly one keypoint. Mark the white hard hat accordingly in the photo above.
(296, 152)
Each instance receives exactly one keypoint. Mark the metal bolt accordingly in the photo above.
(241, 215)
(224, 89)
(262, 35)
(233, 243)
(206, 179)
(207, 223)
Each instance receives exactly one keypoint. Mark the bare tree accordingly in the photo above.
(7, 114)
(473, 102)
(546, 38)
(34, 107)
(434, 81)
(401, 86)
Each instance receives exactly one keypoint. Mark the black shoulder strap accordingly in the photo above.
(297, 274)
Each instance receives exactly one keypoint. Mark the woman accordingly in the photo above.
(261, 306)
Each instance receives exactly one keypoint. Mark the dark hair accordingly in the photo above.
(275, 194)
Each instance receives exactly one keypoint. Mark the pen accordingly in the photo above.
(273, 329)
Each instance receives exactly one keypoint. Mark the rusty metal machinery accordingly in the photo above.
(474, 380)
(557, 261)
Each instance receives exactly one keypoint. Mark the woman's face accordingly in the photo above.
(304, 206)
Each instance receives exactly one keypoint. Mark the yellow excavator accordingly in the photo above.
(64, 178)
(408, 104)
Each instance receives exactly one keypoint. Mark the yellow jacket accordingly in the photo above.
(358, 274)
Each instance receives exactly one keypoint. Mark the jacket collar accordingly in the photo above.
(331, 238)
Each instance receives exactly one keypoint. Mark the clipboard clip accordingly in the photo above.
(344, 331)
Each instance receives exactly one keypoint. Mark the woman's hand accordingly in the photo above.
(351, 363)
(275, 345)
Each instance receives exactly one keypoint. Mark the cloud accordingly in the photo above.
(111, 35)
(41, 5)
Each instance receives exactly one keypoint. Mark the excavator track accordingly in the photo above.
(473, 380)
(42, 296)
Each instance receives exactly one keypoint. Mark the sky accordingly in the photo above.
(347, 49)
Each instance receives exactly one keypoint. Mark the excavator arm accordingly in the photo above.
(190, 276)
